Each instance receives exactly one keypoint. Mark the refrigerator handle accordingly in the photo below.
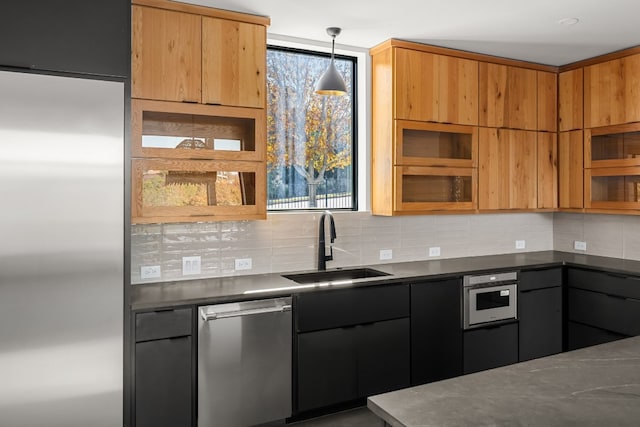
(213, 315)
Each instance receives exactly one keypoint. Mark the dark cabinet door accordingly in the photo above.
(487, 348)
(436, 331)
(383, 356)
(327, 369)
(580, 336)
(163, 383)
(77, 36)
(540, 326)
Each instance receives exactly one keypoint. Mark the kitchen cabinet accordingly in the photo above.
(507, 177)
(436, 331)
(547, 114)
(612, 167)
(188, 53)
(540, 313)
(81, 37)
(195, 162)
(435, 88)
(350, 343)
(508, 97)
(164, 369)
(490, 347)
(612, 92)
(433, 168)
(570, 100)
(547, 170)
(601, 307)
(570, 170)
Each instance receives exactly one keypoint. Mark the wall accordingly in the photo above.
(288, 241)
(606, 235)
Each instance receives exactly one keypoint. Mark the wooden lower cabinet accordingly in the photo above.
(507, 177)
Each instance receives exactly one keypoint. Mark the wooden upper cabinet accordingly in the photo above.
(435, 88)
(233, 63)
(507, 177)
(166, 55)
(570, 100)
(547, 170)
(612, 92)
(570, 170)
(547, 101)
(508, 97)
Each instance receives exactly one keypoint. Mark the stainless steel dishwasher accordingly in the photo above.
(244, 363)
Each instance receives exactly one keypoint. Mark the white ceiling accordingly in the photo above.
(526, 30)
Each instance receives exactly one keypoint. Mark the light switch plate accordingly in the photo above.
(434, 251)
(190, 265)
(386, 254)
(521, 244)
(243, 264)
(150, 272)
(579, 246)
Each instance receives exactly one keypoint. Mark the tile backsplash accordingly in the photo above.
(288, 241)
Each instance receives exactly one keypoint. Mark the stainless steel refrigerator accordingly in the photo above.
(61, 251)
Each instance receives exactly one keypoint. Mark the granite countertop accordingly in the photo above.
(225, 289)
(592, 386)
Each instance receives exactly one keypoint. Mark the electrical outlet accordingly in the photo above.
(386, 254)
(521, 244)
(150, 272)
(190, 265)
(434, 251)
(579, 246)
(243, 264)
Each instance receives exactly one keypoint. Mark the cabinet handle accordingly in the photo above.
(617, 276)
(213, 316)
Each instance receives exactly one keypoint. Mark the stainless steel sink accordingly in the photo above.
(335, 275)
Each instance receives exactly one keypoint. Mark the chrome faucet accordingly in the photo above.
(322, 258)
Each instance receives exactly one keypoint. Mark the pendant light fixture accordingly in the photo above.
(331, 82)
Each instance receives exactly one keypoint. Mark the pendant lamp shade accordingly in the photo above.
(331, 82)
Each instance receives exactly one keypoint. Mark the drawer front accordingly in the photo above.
(580, 336)
(538, 279)
(157, 325)
(347, 307)
(614, 314)
(608, 283)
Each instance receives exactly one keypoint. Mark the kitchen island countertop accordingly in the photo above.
(593, 386)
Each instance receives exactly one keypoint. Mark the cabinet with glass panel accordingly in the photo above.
(434, 167)
(612, 167)
(197, 162)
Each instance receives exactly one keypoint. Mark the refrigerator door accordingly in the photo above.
(61, 251)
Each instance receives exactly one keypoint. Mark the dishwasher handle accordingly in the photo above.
(207, 316)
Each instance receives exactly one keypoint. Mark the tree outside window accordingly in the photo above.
(310, 138)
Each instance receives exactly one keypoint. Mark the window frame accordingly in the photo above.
(354, 125)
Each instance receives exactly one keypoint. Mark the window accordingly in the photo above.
(311, 139)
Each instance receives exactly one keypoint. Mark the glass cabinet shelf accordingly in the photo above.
(194, 131)
(433, 144)
(613, 146)
(422, 188)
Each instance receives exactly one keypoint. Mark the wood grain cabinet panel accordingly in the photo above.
(570, 100)
(166, 55)
(612, 92)
(508, 97)
(507, 177)
(547, 170)
(233, 63)
(547, 101)
(570, 170)
(435, 88)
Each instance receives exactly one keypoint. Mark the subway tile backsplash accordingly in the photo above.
(287, 242)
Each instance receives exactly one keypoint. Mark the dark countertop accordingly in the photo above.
(225, 289)
(592, 386)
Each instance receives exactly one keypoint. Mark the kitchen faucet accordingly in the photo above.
(322, 258)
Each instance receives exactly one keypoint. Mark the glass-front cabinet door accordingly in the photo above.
(423, 188)
(612, 167)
